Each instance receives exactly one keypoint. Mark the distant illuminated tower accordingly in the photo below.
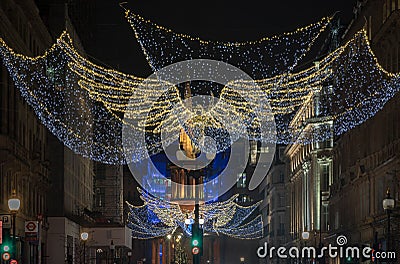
(185, 143)
(178, 174)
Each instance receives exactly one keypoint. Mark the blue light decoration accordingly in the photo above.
(156, 178)
(226, 217)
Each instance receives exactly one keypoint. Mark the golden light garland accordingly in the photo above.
(62, 71)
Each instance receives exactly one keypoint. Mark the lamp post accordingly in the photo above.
(305, 236)
(388, 205)
(84, 238)
(169, 237)
(13, 204)
(112, 249)
(99, 252)
(129, 257)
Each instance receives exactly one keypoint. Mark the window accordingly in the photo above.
(384, 12)
(100, 171)
(326, 177)
(264, 149)
(325, 217)
(306, 199)
(281, 200)
(69, 249)
(281, 155)
(272, 229)
(281, 177)
(243, 198)
(281, 230)
(241, 183)
(253, 152)
(266, 230)
(100, 197)
(337, 220)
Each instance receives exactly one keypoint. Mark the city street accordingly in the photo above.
(199, 132)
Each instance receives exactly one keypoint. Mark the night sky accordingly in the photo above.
(113, 43)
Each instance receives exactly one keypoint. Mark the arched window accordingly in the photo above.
(384, 13)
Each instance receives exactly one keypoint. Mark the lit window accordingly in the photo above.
(264, 149)
(253, 152)
(281, 154)
(241, 183)
(100, 197)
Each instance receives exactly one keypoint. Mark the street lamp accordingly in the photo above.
(13, 204)
(99, 252)
(305, 236)
(130, 256)
(84, 238)
(169, 236)
(112, 249)
(241, 259)
(388, 205)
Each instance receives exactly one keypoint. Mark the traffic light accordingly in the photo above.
(197, 240)
(6, 250)
(6, 246)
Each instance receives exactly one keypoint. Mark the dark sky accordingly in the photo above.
(114, 43)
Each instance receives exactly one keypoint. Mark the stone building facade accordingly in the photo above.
(366, 159)
(309, 177)
(24, 162)
(273, 208)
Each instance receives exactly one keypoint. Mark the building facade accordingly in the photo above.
(366, 159)
(23, 139)
(273, 207)
(108, 193)
(310, 176)
(70, 202)
(337, 187)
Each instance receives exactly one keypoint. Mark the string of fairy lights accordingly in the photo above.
(67, 91)
(157, 217)
(85, 105)
(265, 57)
